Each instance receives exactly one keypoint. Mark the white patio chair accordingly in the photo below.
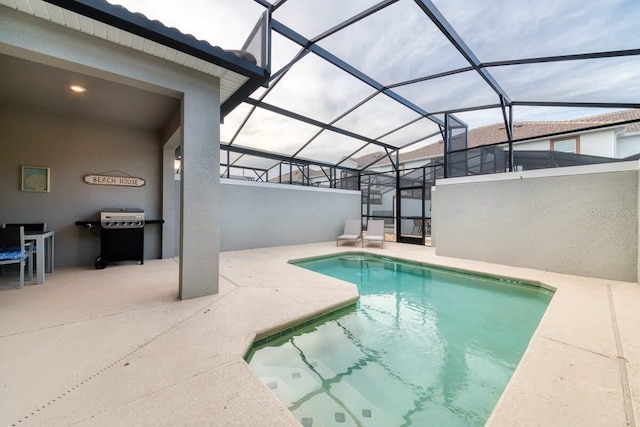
(352, 231)
(31, 226)
(375, 232)
(13, 250)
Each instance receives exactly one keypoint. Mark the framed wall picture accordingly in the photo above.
(35, 178)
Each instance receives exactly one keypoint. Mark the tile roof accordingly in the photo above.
(496, 133)
(240, 54)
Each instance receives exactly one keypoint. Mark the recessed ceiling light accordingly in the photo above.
(77, 88)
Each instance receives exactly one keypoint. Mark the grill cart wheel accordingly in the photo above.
(101, 263)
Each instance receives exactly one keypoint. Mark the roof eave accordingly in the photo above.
(137, 24)
(241, 94)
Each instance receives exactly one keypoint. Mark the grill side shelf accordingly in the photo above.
(97, 223)
(119, 244)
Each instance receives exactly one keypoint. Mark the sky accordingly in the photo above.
(400, 43)
(225, 23)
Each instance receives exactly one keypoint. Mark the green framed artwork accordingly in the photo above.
(35, 178)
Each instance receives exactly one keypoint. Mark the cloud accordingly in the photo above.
(400, 43)
(313, 17)
(396, 44)
(316, 88)
(224, 23)
(516, 29)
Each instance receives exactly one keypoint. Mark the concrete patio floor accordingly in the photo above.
(115, 347)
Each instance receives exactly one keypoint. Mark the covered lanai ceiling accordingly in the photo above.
(361, 76)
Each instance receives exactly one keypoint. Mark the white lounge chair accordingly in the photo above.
(375, 232)
(352, 231)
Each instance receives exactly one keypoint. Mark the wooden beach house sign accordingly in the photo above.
(125, 181)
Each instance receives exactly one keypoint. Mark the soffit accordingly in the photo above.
(230, 81)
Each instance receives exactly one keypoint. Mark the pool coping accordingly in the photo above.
(502, 277)
(266, 339)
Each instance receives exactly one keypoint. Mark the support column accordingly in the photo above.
(510, 134)
(200, 198)
(445, 140)
(170, 192)
(398, 210)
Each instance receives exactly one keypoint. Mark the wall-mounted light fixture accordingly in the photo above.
(177, 162)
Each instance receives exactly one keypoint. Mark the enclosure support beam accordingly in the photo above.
(508, 124)
(327, 56)
(317, 123)
(439, 20)
(398, 194)
(445, 140)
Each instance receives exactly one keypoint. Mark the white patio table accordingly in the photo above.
(44, 243)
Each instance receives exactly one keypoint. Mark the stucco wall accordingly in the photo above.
(38, 40)
(599, 143)
(73, 148)
(594, 143)
(628, 146)
(580, 220)
(255, 215)
(541, 145)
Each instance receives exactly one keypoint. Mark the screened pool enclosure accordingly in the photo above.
(357, 88)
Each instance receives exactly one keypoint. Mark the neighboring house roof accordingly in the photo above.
(239, 75)
(632, 128)
(522, 131)
(370, 158)
(297, 176)
(314, 172)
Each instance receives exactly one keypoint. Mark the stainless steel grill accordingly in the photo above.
(121, 237)
(122, 218)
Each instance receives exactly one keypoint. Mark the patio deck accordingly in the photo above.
(116, 347)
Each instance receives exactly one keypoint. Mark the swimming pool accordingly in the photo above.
(424, 346)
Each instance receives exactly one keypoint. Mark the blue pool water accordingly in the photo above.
(424, 347)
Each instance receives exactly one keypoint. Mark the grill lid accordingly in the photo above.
(122, 218)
